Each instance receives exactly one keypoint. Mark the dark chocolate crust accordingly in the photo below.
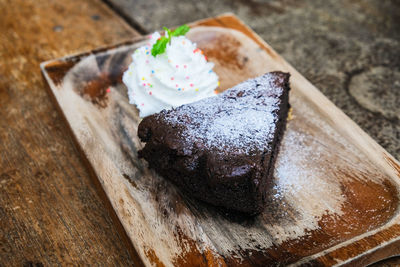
(213, 152)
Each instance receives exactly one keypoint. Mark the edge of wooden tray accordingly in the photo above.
(359, 250)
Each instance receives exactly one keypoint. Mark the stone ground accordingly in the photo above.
(349, 49)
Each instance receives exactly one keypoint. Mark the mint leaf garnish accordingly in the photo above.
(181, 30)
(168, 31)
(161, 44)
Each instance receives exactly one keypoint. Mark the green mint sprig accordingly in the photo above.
(161, 44)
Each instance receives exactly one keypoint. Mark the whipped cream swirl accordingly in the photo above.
(179, 76)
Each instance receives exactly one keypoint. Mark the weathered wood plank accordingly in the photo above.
(50, 213)
(335, 193)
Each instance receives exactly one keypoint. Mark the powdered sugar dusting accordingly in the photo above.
(240, 120)
(227, 132)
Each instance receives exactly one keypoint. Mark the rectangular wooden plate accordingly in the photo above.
(335, 198)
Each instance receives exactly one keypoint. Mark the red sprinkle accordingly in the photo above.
(108, 90)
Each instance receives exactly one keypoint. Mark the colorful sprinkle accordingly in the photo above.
(183, 42)
(197, 89)
(172, 78)
(176, 85)
(147, 53)
(150, 93)
(184, 66)
(216, 92)
(143, 79)
(177, 66)
(152, 71)
(191, 85)
(179, 89)
(187, 77)
(218, 83)
(205, 58)
(108, 90)
(210, 71)
(144, 84)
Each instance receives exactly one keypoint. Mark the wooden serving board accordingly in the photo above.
(335, 194)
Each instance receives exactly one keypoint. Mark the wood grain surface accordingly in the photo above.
(335, 194)
(50, 212)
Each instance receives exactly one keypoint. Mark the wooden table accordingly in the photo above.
(50, 211)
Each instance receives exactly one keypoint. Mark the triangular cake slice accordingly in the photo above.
(222, 149)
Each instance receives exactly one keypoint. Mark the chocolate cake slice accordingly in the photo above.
(222, 149)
